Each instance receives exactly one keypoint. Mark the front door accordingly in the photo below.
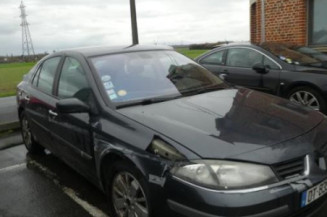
(239, 70)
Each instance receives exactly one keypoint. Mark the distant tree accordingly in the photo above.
(207, 46)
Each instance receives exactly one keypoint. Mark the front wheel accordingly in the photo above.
(127, 191)
(31, 145)
(308, 97)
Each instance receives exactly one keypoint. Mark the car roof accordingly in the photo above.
(237, 44)
(224, 46)
(103, 50)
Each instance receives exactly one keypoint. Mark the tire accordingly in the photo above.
(127, 191)
(31, 145)
(307, 96)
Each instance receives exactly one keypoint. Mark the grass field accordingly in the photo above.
(190, 53)
(11, 75)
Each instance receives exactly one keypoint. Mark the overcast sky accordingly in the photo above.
(60, 24)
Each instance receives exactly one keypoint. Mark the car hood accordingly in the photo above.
(227, 123)
(318, 70)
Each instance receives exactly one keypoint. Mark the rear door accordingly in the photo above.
(40, 100)
(72, 132)
(215, 62)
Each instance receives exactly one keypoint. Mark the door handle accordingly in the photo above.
(222, 76)
(52, 113)
(27, 98)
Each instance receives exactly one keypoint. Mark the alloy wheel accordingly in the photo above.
(128, 196)
(305, 98)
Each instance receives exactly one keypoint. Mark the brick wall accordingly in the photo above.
(286, 21)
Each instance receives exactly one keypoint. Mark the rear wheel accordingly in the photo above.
(309, 97)
(31, 145)
(127, 191)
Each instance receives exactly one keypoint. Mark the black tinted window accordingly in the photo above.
(47, 73)
(242, 57)
(215, 58)
(73, 81)
(317, 22)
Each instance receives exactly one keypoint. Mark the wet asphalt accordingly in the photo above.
(8, 110)
(43, 186)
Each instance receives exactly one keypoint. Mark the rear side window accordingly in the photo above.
(46, 75)
(216, 58)
(73, 81)
(36, 77)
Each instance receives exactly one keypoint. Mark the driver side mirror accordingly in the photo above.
(260, 68)
(72, 105)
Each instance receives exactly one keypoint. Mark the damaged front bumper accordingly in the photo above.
(279, 200)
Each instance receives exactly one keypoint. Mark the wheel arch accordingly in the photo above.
(108, 160)
(20, 111)
(294, 85)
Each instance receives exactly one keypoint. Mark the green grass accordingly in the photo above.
(190, 53)
(6, 133)
(10, 75)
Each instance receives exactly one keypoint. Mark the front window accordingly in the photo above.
(318, 22)
(152, 74)
(242, 57)
(73, 81)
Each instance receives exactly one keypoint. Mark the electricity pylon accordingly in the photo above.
(27, 44)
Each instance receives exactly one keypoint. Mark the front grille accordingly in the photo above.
(289, 169)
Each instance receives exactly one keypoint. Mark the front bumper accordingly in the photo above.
(317, 210)
(279, 201)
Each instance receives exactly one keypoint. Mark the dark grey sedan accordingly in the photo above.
(294, 72)
(162, 136)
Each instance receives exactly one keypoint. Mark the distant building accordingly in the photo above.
(303, 22)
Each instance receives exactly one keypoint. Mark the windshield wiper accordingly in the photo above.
(316, 64)
(313, 64)
(204, 89)
(147, 101)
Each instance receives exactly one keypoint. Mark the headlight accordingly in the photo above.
(164, 150)
(225, 175)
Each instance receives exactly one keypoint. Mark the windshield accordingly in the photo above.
(313, 53)
(297, 55)
(151, 74)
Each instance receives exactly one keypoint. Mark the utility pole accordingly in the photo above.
(134, 23)
(27, 44)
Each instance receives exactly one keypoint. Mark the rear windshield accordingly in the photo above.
(145, 75)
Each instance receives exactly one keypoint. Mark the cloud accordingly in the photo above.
(62, 24)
